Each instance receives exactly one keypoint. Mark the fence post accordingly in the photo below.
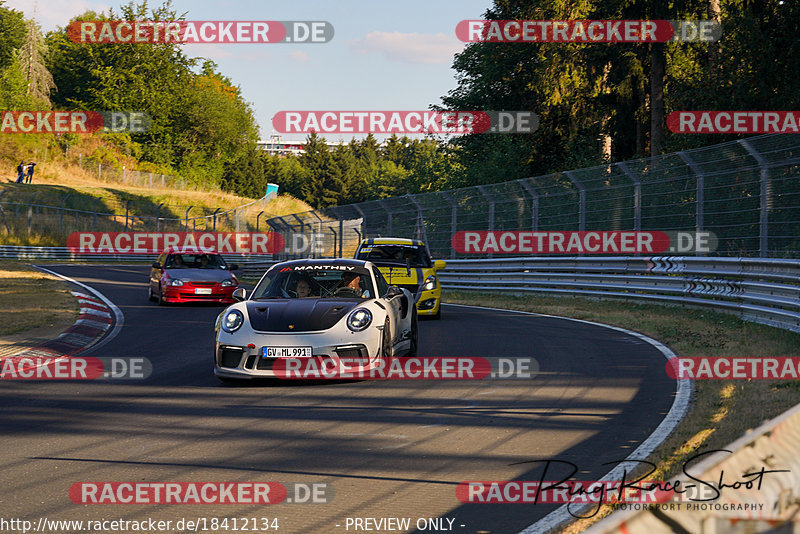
(30, 211)
(158, 217)
(421, 233)
(99, 171)
(637, 196)
(61, 213)
(763, 232)
(123, 174)
(215, 218)
(490, 198)
(581, 200)
(127, 205)
(388, 216)
(335, 238)
(701, 194)
(162, 180)
(363, 221)
(534, 203)
(453, 219)
(260, 213)
(341, 238)
(187, 217)
(96, 209)
(151, 180)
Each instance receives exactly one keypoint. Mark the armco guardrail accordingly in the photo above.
(247, 261)
(761, 290)
(768, 506)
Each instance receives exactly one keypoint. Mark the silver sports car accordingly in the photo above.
(315, 308)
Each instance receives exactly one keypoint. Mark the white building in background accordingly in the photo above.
(276, 146)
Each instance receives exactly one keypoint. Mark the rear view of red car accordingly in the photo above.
(192, 277)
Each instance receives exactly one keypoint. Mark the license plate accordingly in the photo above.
(202, 291)
(285, 352)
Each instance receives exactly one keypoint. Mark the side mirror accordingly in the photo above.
(156, 265)
(393, 291)
(438, 265)
(239, 294)
(233, 266)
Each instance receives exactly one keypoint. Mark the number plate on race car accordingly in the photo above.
(202, 291)
(286, 352)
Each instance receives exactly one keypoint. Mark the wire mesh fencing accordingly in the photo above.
(745, 192)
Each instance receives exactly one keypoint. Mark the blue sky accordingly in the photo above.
(384, 55)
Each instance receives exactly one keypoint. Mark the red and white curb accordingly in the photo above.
(97, 316)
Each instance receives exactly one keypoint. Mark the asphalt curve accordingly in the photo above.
(388, 448)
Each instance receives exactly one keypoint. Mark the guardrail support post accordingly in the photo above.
(96, 209)
(581, 200)
(260, 213)
(763, 233)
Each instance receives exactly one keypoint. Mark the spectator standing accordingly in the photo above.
(29, 177)
(21, 172)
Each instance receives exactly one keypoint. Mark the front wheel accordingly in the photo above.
(412, 350)
(386, 341)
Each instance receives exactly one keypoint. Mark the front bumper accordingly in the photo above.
(235, 358)
(428, 302)
(186, 293)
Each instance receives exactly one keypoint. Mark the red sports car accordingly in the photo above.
(192, 278)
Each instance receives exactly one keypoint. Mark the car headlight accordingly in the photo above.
(227, 283)
(175, 282)
(232, 320)
(359, 319)
(430, 283)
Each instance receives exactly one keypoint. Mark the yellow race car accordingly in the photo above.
(406, 263)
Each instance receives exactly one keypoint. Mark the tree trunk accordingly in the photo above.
(657, 64)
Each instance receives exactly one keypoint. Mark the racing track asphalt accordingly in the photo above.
(389, 448)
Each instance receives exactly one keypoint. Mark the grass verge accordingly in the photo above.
(30, 299)
(721, 411)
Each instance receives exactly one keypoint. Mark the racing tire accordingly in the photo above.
(150, 295)
(386, 342)
(412, 350)
(160, 300)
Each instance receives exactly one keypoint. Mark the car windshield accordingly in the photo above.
(195, 261)
(324, 281)
(411, 255)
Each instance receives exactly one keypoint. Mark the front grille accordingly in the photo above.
(358, 351)
(230, 357)
(411, 287)
(203, 284)
(265, 364)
